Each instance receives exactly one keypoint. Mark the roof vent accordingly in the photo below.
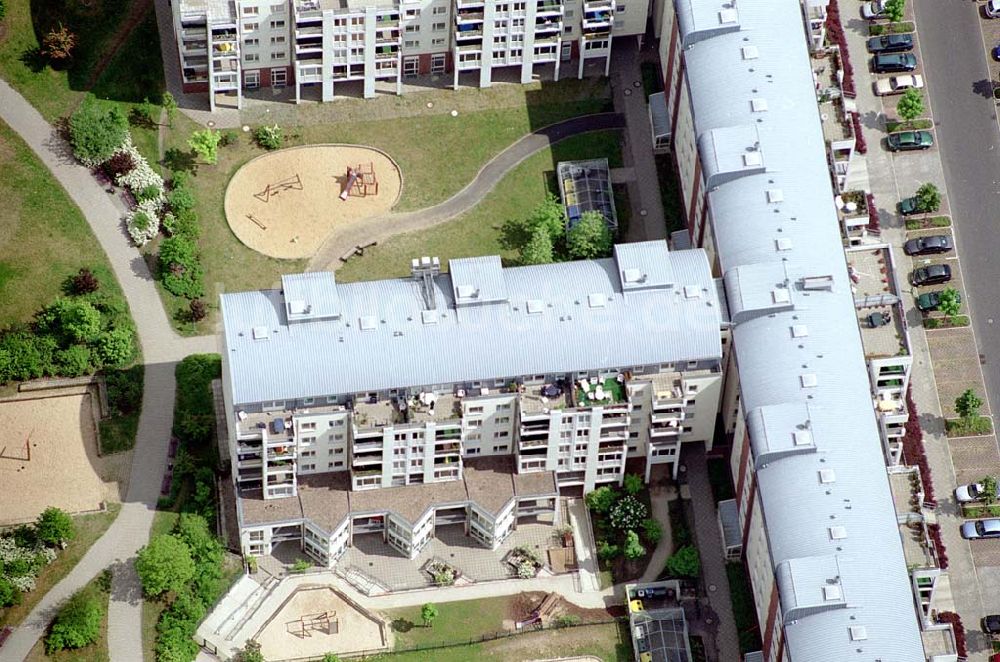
(800, 330)
(783, 244)
(827, 476)
(367, 323)
(832, 592)
(838, 533)
(752, 159)
(692, 292)
(596, 300)
(428, 317)
(775, 195)
(802, 437)
(808, 380)
(260, 333)
(535, 306)
(298, 307)
(466, 291)
(817, 283)
(858, 632)
(750, 52)
(780, 295)
(728, 16)
(758, 105)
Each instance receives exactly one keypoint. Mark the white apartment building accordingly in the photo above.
(228, 46)
(476, 396)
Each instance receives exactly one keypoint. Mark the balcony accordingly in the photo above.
(468, 17)
(547, 27)
(546, 8)
(447, 449)
(476, 33)
(469, 4)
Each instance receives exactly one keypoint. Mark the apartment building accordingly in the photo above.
(815, 520)
(228, 46)
(476, 396)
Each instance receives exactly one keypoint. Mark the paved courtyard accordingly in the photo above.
(394, 572)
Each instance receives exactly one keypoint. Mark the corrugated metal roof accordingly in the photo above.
(584, 321)
(823, 368)
(310, 296)
(658, 114)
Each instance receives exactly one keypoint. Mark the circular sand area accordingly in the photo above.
(285, 203)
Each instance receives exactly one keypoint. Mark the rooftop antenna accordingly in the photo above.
(424, 269)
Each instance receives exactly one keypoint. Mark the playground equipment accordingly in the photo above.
(361, 181)
(26, 457)
(325, 622)
(293, 183)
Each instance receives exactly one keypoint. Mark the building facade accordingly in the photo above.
(543, 379)
(229, 46)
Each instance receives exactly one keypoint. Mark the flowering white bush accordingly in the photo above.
(143, 223)
(49, 554)
(23, 584)
(27, 562)
(141, 176)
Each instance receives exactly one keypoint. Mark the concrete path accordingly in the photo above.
(661, 513)
(161, 348)
(327, 258)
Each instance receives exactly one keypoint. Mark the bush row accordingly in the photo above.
(835, 33)
(180, 267)
(27, 549)
(913, 447)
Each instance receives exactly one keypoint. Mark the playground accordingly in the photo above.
(48, 457)
(316, 620)
(284, 204)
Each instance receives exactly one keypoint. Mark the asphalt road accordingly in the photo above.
(956, 72)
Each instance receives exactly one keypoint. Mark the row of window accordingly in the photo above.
(253, 26)
(255, 57)
(255, 11)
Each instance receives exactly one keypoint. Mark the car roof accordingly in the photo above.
(991, 525)
(940, 268)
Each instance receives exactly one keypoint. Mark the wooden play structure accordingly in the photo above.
(293, 183)
(324, 622)
(361, 181)
(24, 456)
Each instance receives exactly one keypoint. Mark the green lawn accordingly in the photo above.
(88, 529)
(97, 651)
(456, 621)
(744, 612)
(670, 193)
(478, 231)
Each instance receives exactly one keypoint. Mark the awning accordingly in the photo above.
(658, 114)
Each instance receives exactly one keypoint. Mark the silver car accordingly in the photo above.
(971, 492)
(872, 10)
(981, 529)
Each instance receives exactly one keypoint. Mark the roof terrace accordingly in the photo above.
(876, 298)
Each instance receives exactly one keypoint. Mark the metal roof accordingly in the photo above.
(801, 363)
(658, 115)
(310, 296)
(544, 319)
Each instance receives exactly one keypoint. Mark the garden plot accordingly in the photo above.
(48, 457)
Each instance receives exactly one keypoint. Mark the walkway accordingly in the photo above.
(328, 257)
(161, 348)
(660, 510)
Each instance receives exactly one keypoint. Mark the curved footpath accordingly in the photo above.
(379, 229)
(161, 348)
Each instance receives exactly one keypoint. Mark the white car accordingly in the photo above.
(969, 493)
(873, 9)
(898, 84)
(992, 9)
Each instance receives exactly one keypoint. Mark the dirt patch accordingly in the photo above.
(285, 204)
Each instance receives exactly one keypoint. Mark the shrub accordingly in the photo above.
(54, 526)
(589, 238)
(84, 282)
(77, 624)
(628, 513)
(141, 176)
(143, 113)
(58, 43)
(74, 361)
(566, 620)
(180, 199)
(119, 164)
(269, 137)
(116, 347)
(859, 137)
(876, 29)
(23, 355)
(141, 226)
(967, 405)
(74, 320)
(652, 531)
(601, 499)
(165, 564)
(928, 198)
(894, 10)
(3, 9)
(9, 595)
(228, 137)
(180, 269)
(194, 416)
(96, 131)
(300, 566)
(184, 223)
(538, 249)
(685, 562)
(205, 143)
(428, 613)
(633, 548)
(197, 310)
(150, 192)
(633, 484)
(956, 624)
(606, 551)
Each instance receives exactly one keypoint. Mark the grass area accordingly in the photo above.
(117, 432)
(100, 588)
(972, 426)
(670, 193)
(478, 231)
(610, 386)
(928, 222)
(44, 238)
(946, 322)
(891, 126)
(981, 511)
(651, 80)
(88, 529)
(744, 612)
(609, 642)
(456, 621)
(719, 479)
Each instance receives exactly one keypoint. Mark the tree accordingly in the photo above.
(911, 105)
(180, 269)
(197, 310)
(685, 562)
(633, 484)
(989, 489)
(205, 144)
(628, 513)
(601, 499)
(949, 302)
(331, 657)
(967, 405)
(144, 113)
(77, 624)
(269, 137)
(54, 526)
(74, 319)
(894, 10)
(428, 613)
(633, 548)
(170, 105)
(250, 653)
(74, 361)
(84, 282)
(538, 250)
(652, 530)
(928, 198)
(96, 132)
(59, 43)
(9, 595)
(164, 564)
(116, 347)
(589, 238)
(606, 551)
(548, 217)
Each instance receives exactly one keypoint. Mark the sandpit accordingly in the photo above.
(63, 466)
(285, 204)
(316, 620)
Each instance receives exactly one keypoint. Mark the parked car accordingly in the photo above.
(937, 243)
(907, 141)
(992, 9)
(991, 624)
(996, 53)
(891, 43)
(872, 10)
(981, 529)
(898, 84)
(927, 302)
(972, 491)
(909, 206)
(888, 63)
(933, 274)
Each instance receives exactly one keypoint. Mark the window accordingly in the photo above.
(251, 79)
(250, 27)
(277, 9)
(501, 434)
(256, 535)
(476, 410)
(253, 41)
(412, 13)
(619, 9)
(280, 55)
(279, 77)
(251, 11)
(500, 449)
(472, 451)
(438, 41)
(568, 13)
(251, 57)
(440, 10)
(439, 27)
(411, 43)
(338, 464)
(280, 40)
(568, 29)
(411, 65)
(278, 25)
(411, 29)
